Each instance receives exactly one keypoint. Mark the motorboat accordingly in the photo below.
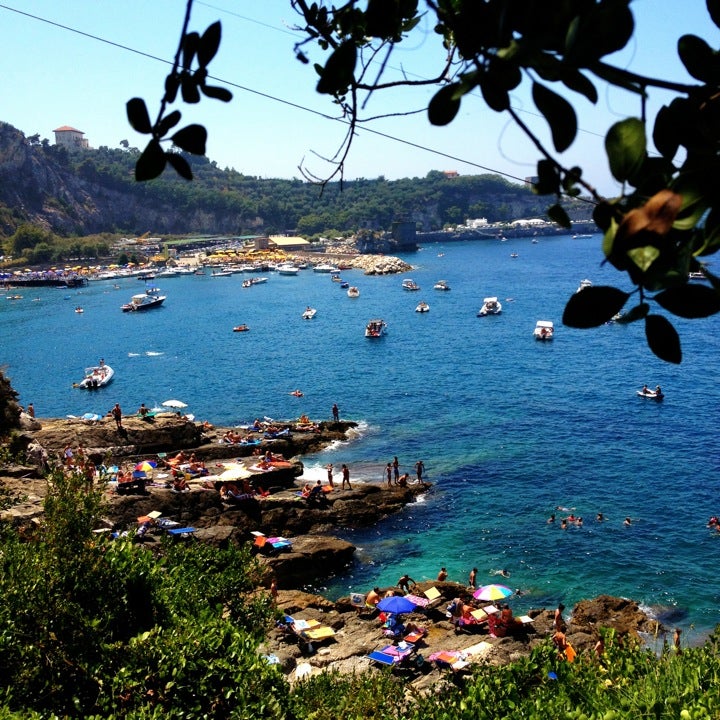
(287, 269)
(325, 268)
(656, 394)
(353, 292)
(422, 307)
(544, 330)
(253, 281)
(241, 328)
(96, 377)
(490, 306)
(78, 309)
(309, 313)
(441, 285)
(584, 284)
(514, 255)
(375, 328)
(409, 284)
(335, 277)
(221, 273)
(143, 301)
(344, 284)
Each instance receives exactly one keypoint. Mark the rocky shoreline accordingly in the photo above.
(314, 554)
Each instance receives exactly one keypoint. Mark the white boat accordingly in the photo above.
(375, 328)
(409, 284)
(325, 268)
(490, 306)
(514, 255)
(422, 307)
(287, 269)
(96, 377)
(221, 273)
(656, 394)
(544, 330)
(143, 301)
(309, 313)
(253, 281)
(353, 292)
(584, 284)
(441, 285)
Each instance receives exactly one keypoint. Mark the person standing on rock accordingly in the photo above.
(116, 412)
(335, 413)
(330, 475)
(396, 469)
(473, 577)
(420, 469)
(558, 621)
(388, 474)
(31, 410)
(345, 477)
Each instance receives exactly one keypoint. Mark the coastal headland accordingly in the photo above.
(312, 553)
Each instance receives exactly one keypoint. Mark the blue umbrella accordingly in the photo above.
(396, 604)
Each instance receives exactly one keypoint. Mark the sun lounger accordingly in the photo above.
(181, 532)
(382, 658)
(392, 654)
(321, 632)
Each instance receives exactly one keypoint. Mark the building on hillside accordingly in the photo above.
(451, 173)
(70, 138)
(281, 242)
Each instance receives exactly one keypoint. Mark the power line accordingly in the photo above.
(262, 94)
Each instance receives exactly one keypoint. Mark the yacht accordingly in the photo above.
(490, 306)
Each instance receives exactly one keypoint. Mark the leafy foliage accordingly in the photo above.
(668, 214)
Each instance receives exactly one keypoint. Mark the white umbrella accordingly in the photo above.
(234, 472)
(174, 404)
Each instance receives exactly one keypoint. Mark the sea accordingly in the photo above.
(510, 430)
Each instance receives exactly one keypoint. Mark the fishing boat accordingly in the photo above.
(143, 301)
(544, 330)
(409, 284)
(96, 377)
(422, 307)
(309, 313)
(375, 328)
(490, 306)
(441, 285)
(353, 292)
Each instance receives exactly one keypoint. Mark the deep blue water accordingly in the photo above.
(508, 428)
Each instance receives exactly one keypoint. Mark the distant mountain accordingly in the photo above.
(88, 191)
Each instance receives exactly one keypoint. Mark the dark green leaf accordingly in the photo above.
(665, 134)
(151, 163)
(189, 48)
(603, 215)
(443, 107)
(181, 165)
(713, 7)
(639, 312)
(218, 93)
(138, 116)
(697, 56)
(559, 114)
(662, 339)
(593, 306)
(548, 182)
(192, 139)
(577, 82)
(209, 44)
(172, 85)
(558, 215)
(189, 90)
(168, 122)
(339, 70)
(625, 146)
(693, 300)
(495, 96)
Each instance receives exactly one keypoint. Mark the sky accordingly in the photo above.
(109, 51)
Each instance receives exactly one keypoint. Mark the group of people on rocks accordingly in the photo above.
(393, 476)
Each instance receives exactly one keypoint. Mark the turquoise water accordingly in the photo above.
(508, 428)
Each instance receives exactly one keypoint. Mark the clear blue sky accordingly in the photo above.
(51, 77)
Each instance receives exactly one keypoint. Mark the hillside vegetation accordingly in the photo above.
(86, 192)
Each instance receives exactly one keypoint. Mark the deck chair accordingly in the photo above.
(433, 595)
(382, 658)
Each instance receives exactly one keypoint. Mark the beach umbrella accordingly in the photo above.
(174, 404)
(234, 472)
(396, 604)
(492, 592)
(146, 465)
